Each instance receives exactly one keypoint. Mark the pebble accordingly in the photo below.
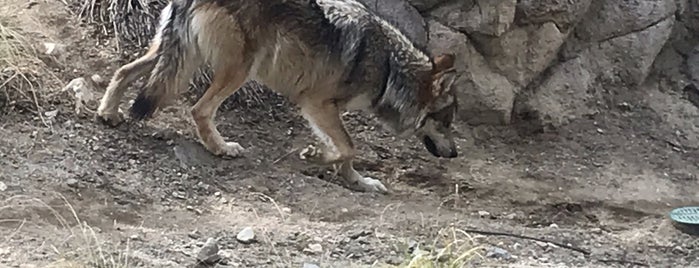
(3, 186)
(72, 183)
(246, 236)
(483, 213)
(314, 248)
(209, 252)
(542, 244)
(310, 265)
(498, 253)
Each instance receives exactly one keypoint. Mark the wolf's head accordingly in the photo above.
(434, 125)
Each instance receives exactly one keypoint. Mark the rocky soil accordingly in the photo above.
(578, 127)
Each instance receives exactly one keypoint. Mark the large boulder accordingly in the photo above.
(564, 13)
(523, 53)
(488, 17)
(403, 16)
(485, 97)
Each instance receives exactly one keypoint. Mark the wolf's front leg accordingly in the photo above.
(337, 147)
(355, 179)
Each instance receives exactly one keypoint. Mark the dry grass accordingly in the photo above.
(23, 74)
(89, 250)
(452, 248)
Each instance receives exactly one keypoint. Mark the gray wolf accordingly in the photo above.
(326, 56)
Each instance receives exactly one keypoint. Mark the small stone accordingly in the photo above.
(54, 49)
(3, 187)
(209, 252)
(553, 225)
(194, 235)
(483, 213)
(600, 131)
(498, 253)
(286, 210)
(73, 183)
(310, 265)
(511, 216)
(542, 244)
(314, 248)
(246, 236)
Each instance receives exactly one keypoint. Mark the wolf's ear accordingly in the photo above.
(443, 62)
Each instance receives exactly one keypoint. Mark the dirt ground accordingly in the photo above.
(79, 194)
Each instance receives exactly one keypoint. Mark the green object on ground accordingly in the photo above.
(686, 219)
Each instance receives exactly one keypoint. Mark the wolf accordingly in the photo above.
(325, 56)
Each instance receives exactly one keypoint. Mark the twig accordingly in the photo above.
(284, 156)
(623, 262)
(577, 249)
(583, 251)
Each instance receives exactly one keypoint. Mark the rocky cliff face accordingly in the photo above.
(552, 61)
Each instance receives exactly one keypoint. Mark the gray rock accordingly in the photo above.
(550, 103)
(314, 248)
(498, 253)
(522, 63)
(612, 18)
(3, 187)
(403, 16)
(209, 252)
(73, 183)
(488, 17)
(424, 5)
(246, 236)
(485, 97)
(629, 58)
(563, 13)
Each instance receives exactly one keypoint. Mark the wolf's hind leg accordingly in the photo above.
(108, 111)
(226, 82)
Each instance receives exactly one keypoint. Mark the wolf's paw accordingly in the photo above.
(230, 149)
(368, 184)
(111, 119)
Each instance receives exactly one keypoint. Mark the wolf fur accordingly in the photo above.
(327, 56)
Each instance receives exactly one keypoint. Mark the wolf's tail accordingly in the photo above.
(177, 60)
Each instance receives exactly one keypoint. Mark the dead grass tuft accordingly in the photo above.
(452, 248)
(86, 248)
(20, 81)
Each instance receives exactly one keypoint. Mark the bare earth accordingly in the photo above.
(148, 193)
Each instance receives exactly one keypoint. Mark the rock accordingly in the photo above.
(628, 59)
(424, 5)
(488, 17)
(314, 248)
(613, 18)
(403, 16)
(522, 63)
(310, 265)
(693, 66)
(209, 252)
(483, 213)
(484, 96)
(3, 187)
(563, 13)
(73, 183)
(54, 49)
(246, 236)
(498, 253)
(550, 104)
